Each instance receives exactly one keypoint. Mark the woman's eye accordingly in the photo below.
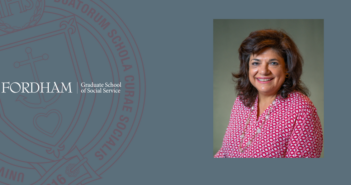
(274, 63)
(254, 63)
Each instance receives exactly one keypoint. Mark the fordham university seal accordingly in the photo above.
(53, 129)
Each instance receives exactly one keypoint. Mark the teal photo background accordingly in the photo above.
(228, 34)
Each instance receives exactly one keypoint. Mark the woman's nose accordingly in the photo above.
(264, 70)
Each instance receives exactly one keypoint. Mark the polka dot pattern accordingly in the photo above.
(293, 130)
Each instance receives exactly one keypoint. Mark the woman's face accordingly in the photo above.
(267, 72)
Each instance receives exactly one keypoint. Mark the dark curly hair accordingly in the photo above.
(255, 44)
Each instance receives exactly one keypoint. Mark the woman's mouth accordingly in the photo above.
(264, 80)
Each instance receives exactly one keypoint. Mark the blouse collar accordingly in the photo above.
(278, 99)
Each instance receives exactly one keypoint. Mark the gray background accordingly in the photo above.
(227, 37)
(174, 142)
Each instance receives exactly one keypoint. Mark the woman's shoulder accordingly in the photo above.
(238, 103)
(300, 100)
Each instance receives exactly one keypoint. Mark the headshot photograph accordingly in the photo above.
(268, 89)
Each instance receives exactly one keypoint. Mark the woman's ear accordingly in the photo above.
(287, 75)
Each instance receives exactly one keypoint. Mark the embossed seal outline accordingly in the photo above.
(114, 157)
(34, 19)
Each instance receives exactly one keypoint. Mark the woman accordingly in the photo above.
(272, 116)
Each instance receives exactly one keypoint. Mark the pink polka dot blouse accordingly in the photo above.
(288, 128)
